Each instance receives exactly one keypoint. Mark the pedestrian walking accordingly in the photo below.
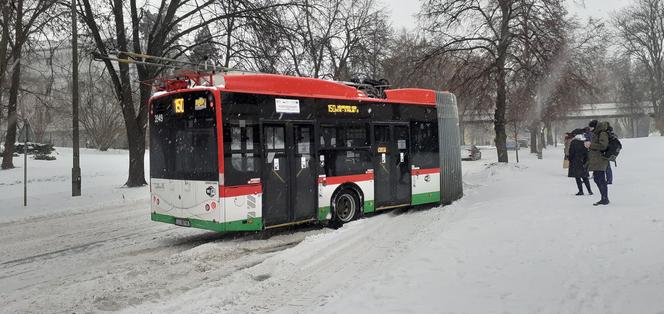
(596, 162)
(578, 162)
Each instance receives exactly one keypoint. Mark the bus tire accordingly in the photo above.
(346, 207)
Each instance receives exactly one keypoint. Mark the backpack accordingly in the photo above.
(613, 149)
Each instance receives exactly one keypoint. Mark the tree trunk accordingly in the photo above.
(4, 49)
(533, 138)
(135, 136)
(659, 123)
(135, 132)
(136, 140)
(499, 126)
(516, 140)
(549, 134)
(4, 43)
(10, 138)
(501, 85)
(499, 115)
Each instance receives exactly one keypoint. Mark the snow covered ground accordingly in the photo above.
(49, 184)
(519, 241)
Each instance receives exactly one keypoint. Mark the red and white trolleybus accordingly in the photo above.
(257, 151)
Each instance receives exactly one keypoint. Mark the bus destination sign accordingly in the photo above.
(342, 109)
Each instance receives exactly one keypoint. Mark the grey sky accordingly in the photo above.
(403, 11)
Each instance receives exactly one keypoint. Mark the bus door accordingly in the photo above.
(304, 188)
(391, 165)
(289, 185)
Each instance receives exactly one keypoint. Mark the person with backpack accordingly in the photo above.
(578, 159)
(597, 163)
(609, 171)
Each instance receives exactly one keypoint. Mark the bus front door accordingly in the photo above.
(391, 165)
(289, 185)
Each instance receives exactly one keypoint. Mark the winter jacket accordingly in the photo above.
(578, 159)
(598, 143)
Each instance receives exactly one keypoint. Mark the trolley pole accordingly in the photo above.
(76, 167)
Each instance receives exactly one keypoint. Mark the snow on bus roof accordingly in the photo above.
(273, 84)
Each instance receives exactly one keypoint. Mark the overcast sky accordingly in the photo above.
(403, 11)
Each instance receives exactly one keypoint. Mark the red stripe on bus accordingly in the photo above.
(343, 179)
(416, 172)
(230, 191)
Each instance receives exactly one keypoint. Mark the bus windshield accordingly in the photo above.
(183, 137)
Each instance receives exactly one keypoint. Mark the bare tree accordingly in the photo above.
(99, 115)
(5, 16)
(29, 17)
(357, 46)
(162, 35)
(641, 30)
(519, 112)
(630, 82)
(493, 29)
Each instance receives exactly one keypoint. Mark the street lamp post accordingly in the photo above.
(76, 167)
(26, 128)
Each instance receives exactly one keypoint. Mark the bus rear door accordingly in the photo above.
(391, 165)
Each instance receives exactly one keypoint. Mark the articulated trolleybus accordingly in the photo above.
(257, 151)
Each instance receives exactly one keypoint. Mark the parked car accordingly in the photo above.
(470, 152)
(523, 143)
(512, 145)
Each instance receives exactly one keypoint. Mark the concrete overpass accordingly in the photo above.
(627, 121)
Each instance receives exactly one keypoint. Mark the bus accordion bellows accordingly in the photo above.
(255, 151)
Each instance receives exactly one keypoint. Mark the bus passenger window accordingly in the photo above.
(345, 149)
(236, 138)
(250, 136)
(274, 137)
(328, 137)
(304, 141)
(425, 144)
(241, 153)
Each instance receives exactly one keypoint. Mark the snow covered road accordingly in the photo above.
(519, 242)
(114, 257)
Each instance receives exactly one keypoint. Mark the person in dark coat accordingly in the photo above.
(596, 162)
(578, 159)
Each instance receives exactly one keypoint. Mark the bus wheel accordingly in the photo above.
(346, 207)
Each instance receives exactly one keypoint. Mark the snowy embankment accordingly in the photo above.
(519, 241)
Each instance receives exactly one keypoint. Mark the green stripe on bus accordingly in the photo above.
(240, 225)
(323, 212)
(425, 198)
(369, 206)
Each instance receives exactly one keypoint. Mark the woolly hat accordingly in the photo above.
(593, 124)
